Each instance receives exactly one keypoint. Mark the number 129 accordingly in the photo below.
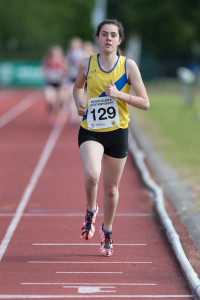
(104, 113)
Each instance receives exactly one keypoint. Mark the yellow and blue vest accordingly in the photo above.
(97, 79)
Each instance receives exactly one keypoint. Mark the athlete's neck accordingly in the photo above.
(108, 61)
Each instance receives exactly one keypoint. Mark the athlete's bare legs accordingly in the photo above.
(91, 156)
(112, 172)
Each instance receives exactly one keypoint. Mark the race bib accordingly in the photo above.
(102, 113)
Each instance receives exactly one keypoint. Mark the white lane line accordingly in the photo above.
(89, 272)
(91, 296)
(82, 244)
(19, 108)
(72, 215)
(31, 185)
(92, 289)
(89, 262)
(87, 283)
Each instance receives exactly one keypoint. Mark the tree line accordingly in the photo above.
(168, 29)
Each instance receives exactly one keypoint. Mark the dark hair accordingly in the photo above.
(113, 22)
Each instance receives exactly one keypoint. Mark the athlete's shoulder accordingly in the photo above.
(84, 62)
(131, 66)
(130, 62)
(84, 65)
(132, 70)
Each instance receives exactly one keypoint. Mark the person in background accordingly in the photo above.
(74, 56)
(89, 49)
(103, 133)
(55, 72)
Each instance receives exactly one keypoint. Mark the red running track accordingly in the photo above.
(42, 206)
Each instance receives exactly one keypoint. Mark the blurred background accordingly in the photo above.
(167, 31)
(162, 36)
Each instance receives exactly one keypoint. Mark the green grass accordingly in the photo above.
(174, 128)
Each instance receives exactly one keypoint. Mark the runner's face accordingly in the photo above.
(108, 38)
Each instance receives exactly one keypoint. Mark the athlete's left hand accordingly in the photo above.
(111, 90)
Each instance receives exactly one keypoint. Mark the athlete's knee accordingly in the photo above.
(111, 191)
(92, 178)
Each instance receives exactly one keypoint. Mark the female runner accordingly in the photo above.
(103, 134)
(55, 73)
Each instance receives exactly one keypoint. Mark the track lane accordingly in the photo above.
(11, 98)
(54, 214)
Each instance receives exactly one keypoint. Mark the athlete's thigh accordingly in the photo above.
(112, 170)
(91, 156)
(51, 94)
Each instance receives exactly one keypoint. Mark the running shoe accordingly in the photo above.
(106, 247)
(88, 228)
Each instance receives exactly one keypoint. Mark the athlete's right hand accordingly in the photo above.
(81, 110)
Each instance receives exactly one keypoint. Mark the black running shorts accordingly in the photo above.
(115, 142)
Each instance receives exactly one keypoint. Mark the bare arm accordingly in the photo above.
(140, 99)
(78, 89)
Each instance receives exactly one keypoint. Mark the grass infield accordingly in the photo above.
(173, 125)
